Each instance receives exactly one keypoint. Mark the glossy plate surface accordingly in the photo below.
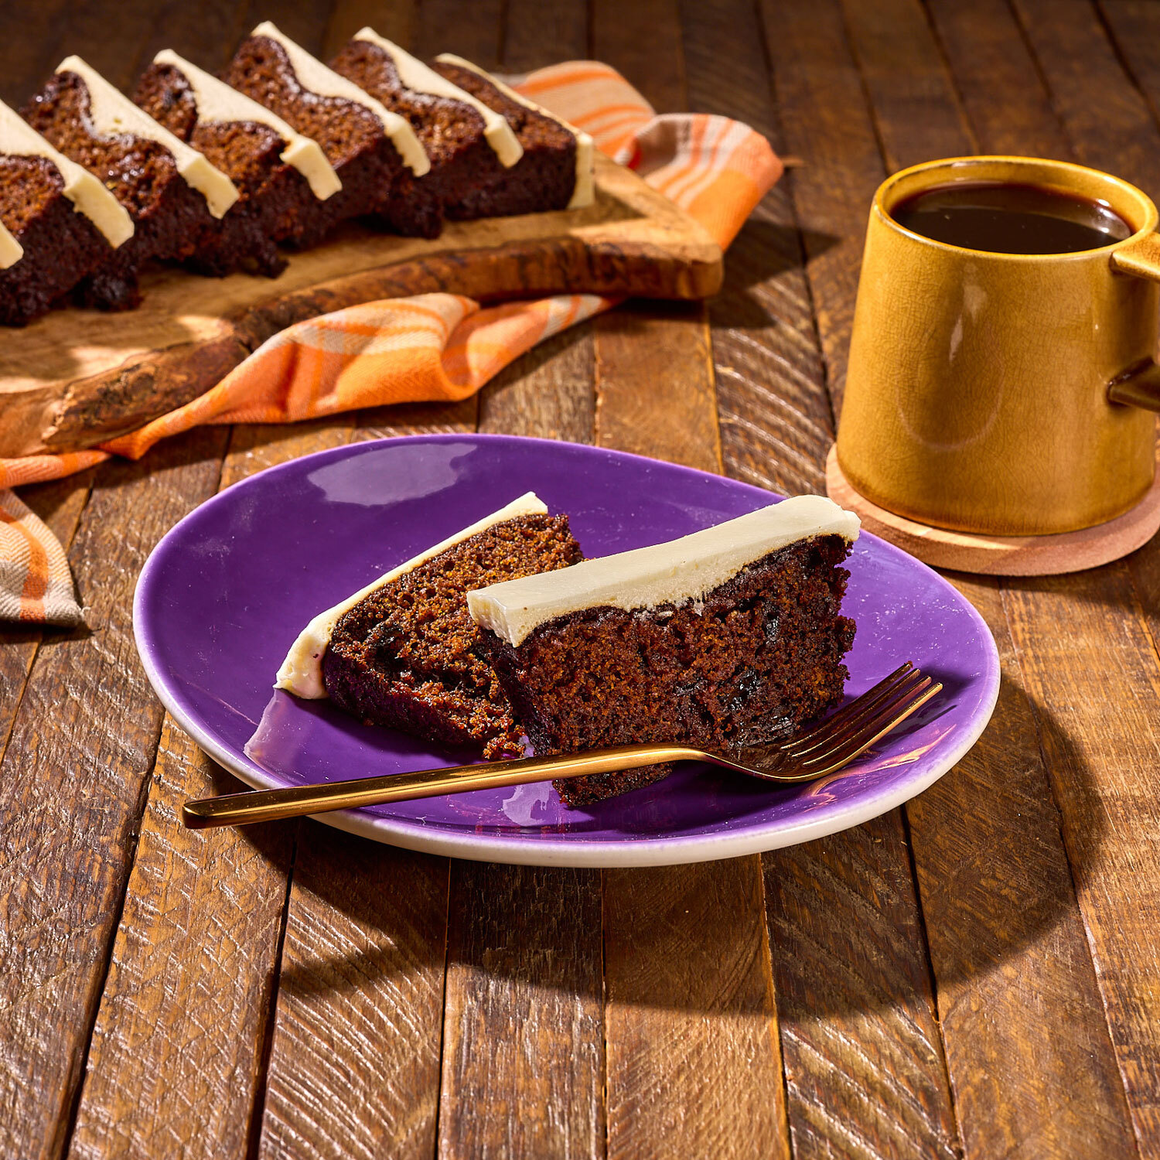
(227, 590)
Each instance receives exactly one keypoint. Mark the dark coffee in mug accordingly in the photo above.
(1010, 219)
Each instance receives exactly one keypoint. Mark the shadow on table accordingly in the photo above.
(845, 934)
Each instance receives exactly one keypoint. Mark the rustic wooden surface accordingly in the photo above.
(79, 377)
(975, 975)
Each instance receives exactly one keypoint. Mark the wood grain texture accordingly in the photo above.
(825, 122)
(655, 391)
(74, 776)
(75, 378)
(354, 1062)
(537, 34)
(27, 59)
(176, 1053)
(1031, 1062)
(1043, 1084)
(906, 83)
(694, 1067)
(997, 79)
(865, 1073)
(772, 405)
(1104, 114)
(693, 1062)
(474, 31)
(524, 966)
(864, 1066)
(546, 394)
(643, 41)
(1102, 753)
(523, 1054)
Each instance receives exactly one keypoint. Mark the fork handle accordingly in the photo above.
(268, 805)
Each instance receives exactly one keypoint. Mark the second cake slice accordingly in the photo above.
(283, 178)
(374, 151)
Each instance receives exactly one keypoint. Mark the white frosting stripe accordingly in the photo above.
(681, 570)
(316, 77)
(88, 195)
(301, 671)
(11, 251)
(217, 104)
(112, 113)
(584, 191)
(417, 77)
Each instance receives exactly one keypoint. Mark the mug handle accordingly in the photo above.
(1140, 386)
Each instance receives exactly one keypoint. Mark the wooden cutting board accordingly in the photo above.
(78, 377)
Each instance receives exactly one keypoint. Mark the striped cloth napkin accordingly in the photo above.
(432, 347)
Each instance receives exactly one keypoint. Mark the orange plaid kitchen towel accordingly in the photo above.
(431, 347)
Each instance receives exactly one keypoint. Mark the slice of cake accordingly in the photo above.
(374, 151)
(175, 197)
(282, 178)
(403, 651)
(57, 222)
(555, 171)
(469, 145)
(728, 637)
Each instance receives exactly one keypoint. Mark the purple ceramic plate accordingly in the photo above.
(228, 589)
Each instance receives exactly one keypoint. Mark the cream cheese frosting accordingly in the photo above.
(217, 103)
(417, 77)
(88, 195)
(671, 573)
(318, 78)
(301, 671)
(112, 113)
(584, 191)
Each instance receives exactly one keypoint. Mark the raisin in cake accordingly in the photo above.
(57, 222)
(175, 197)
(282, 177)
(374, 151)
(468, 144)
(555, 170)
(403, 651)
(728, 637)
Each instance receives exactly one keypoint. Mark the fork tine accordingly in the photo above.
(851, 708)
(851, 716)
(841, 755)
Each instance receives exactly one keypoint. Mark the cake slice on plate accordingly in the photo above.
(57, 222)
(728, 637)
(283, 178)
(555, 169)
(403, 651)
(374, 151)
(175, 197)
(469, 145)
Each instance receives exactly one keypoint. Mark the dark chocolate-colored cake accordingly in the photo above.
(404, 652)
(282, 178)
(374, 151)
(726, 638)
(57, 222)
(175, 197)
(555, 171)
(469, 145)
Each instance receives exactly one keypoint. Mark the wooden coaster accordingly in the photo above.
(1002, 555)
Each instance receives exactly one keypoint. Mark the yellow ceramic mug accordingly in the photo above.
(1004, 393)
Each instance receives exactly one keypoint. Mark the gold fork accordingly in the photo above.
(813, 753)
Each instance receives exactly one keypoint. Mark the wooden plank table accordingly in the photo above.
(976, 974)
